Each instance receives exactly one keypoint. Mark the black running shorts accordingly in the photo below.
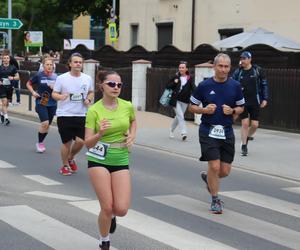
(216, 149)
(71, 127)
(252, 111)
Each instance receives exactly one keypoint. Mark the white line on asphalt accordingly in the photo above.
(45, 229)
(293, 190)
(57, 196)
(43, 180)
(265, 230)
(158, 230)
(265, 201)
(4, 164)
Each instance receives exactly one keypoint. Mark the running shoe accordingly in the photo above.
(249, 138)
(2, 118)
(65, 170)
(183, 137)
(244, 150)
(7, 122)
(113, 225)
(171, 135)
(73, 166)
(40, 147)
(104, 245)
(204, 178)
(217, 206)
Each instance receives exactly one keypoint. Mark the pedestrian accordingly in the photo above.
(45, 105)
(221, 98)
(8, 74)
(73, 92)
(109, 134)
(182, 86)
(255, 89)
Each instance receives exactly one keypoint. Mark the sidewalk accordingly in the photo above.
(272, 152)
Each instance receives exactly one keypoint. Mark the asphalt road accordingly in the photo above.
(40, 209)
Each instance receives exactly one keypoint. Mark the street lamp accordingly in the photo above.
(9, 31)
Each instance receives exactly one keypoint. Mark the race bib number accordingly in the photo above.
(5, 81)
(99, 151)
(76, 97)
(217, 132)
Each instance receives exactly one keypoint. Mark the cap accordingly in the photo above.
(246, 54)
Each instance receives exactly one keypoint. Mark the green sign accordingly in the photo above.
(10, 23)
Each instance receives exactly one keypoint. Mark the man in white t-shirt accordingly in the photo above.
(74, 93)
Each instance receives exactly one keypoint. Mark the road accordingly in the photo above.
(40, 209)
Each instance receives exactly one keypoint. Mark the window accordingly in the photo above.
(134, 34)
(224, 33)
(164, 34)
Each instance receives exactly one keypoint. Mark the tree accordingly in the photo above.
(49, 15)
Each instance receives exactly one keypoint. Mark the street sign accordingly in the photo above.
(10, 23)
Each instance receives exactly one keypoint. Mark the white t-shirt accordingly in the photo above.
(77, 88)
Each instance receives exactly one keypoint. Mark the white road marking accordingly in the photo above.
(45, 229)
(4, 164)
(265, 230)
(265, 201)
(293, 190)
(159, 230)
(43, 180)
(57, 196)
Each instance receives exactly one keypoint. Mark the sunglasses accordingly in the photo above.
(114, 84)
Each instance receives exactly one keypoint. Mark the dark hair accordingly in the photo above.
(184, 62)
(102, 76)
(71, 57)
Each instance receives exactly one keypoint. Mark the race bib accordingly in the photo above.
(99, 151)
(217, 132)
(5, 81)
(76, 97)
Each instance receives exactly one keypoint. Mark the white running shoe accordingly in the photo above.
(171, 135)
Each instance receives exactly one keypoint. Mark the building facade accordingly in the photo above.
(189, 23)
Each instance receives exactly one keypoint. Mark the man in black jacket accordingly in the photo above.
(255, 91)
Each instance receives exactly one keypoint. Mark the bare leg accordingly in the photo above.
(213, 176)
(253, 128)
(76, 147)
(244, 130)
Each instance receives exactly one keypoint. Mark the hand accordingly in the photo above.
(64, 97)
(227, 110)
(103, 125)
(263, 104)
(129, 139)
(86, 102)
(210, 108)
(35, 94)
(10, 78)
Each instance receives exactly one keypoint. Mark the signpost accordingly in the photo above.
(10, 23)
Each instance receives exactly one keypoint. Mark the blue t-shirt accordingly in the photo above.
(219, 93)
(42, 80)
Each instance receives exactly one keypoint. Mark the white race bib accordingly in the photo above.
(5, 81)
(99, 151)
(217, 132)
(76, 97)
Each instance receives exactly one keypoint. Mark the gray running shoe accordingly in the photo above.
(244, 150)
(217, 206)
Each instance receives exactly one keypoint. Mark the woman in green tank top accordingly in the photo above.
(110, 132)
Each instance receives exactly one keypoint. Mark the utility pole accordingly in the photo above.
(9, 31)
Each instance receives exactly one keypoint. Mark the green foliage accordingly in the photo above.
(49, 15)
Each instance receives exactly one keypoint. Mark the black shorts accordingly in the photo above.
(111, 169)
(6, 92)
(252, 111)
(45, 113)
(216, 149)
(71, 127)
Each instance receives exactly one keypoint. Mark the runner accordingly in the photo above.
(8, 73)
(45, 105)
(74, 93)
(110, 132)
(221, 98)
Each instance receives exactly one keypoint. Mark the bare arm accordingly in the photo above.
(92, 137)
(130, 137)
(30, 88)
(209, 109)
(59, 97)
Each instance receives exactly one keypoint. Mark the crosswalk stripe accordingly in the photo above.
(43, 180)
(45, 229)
(156, 229)
(4, 164)
(265, 201)
(271, 232)
(293, 190)
(57, 196)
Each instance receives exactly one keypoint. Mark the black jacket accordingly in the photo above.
(183, 95)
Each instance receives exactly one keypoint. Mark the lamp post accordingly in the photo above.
(9, 31)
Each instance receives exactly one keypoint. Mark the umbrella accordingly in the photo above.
(257, 36)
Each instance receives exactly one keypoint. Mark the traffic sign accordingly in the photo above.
(10, 23)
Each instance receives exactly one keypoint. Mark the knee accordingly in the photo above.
(107, 210)
(45, 125)
(254, 125)
(215, 168)
(224, 173)
(120, 211)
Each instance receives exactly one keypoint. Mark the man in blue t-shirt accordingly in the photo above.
(221, 98)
